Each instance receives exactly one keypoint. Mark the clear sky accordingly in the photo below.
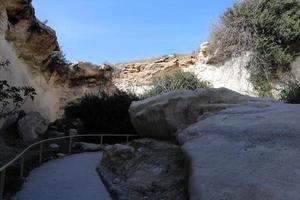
(123, 30)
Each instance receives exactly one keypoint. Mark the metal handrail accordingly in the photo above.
(40, 143)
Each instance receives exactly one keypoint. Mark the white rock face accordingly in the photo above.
(46, 102)
(24, 43)
(232, 75)
(137, 76)
(245, 153)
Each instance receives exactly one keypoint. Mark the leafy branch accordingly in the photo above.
(12, 98)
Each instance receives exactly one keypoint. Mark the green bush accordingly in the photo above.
(177, 80)
(268, 28)
(102, 112)
(291, 93)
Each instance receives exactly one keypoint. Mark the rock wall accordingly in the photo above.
(32, 49)
(20, 74)
(136, 76)
(233, 74)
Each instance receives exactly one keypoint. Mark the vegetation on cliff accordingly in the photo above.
(11, 97)
(176, 80)
(270, 29)
(291, 93)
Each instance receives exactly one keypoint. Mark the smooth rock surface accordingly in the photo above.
(232, 74)
(161, 116)
(245, 153)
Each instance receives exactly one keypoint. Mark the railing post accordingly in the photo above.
(70, 145)
(41, 153)
(127, 138)
(22, 168)
(101, 139)
(2, 184)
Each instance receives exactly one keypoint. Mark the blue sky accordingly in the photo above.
(123, 30)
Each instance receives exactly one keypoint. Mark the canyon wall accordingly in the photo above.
(233, 74)
(18, 44)
(36, 60)
(34, 55)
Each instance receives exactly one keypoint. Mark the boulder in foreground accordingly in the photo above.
(159, 117)
(245, 153)
(238, 148)
(144, 169)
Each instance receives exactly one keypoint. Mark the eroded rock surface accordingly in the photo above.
(161, 116)
(35, 42)
(136, 76)
(242, 152)
(36, 60)
(144, 169)
(32, 127)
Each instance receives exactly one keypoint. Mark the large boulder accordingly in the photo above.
(245, 153)
(32, 127)
(144, 169)
(161, 116)
(242, 149)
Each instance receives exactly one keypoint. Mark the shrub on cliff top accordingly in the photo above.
(268, 28)
(177, 80)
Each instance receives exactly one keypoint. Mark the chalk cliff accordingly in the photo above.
(35, 59)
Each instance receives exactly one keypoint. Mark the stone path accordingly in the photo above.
(71, 178)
